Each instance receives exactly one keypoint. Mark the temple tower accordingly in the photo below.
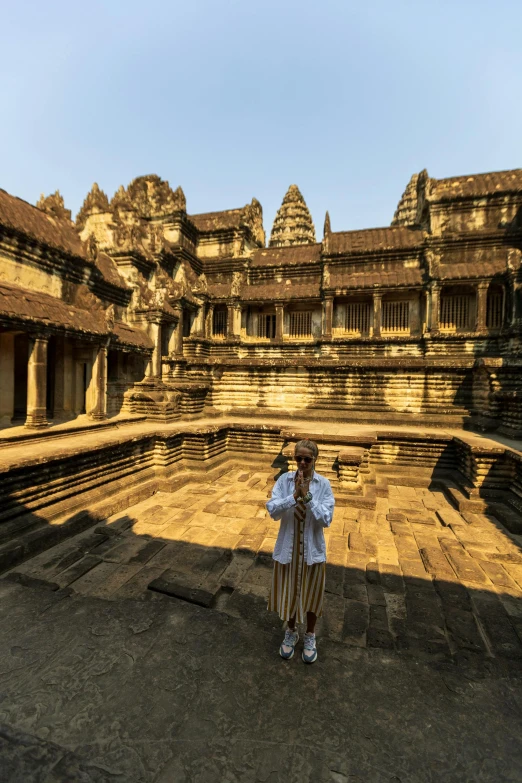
(293, 224)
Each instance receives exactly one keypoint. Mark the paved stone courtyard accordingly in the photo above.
(411, 575)
(103, 679)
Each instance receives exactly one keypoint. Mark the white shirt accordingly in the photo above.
(319, 513)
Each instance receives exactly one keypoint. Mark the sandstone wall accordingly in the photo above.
(343, 389)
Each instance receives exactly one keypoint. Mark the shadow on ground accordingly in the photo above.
(141, 649)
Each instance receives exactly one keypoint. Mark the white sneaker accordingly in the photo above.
(288, 644)
(309, 654)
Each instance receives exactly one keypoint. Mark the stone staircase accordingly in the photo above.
(464, 497)
(347, 470)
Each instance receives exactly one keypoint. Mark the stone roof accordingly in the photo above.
(129, 335)
(109, 270)
(46, 228)
(217, 221)
(472, 270)
(372, 240)
(251, 215)
(280, 291)
(293, 224)
(476, 185)
(41, 310)
(295, 255)
(220, 290)
(39, 225)
(375, 278)
(45, 310)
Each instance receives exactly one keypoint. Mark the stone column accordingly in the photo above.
(415, 321)
(199, 322)
(482, 296)
(154, 366)
(434, 307)
(99, 385)
(377, 311)
(237, 321)
(6, 377)
(37, 383)
(178, 334)
(327, 316)
(156, 355)
(209, 321)
(280, 314)
(230, 320)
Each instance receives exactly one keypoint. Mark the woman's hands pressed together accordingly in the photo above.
(302, 485)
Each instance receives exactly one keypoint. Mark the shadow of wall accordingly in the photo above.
(428, 605)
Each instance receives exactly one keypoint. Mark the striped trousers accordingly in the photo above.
(297, 588)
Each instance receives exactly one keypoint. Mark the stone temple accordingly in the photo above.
(139, 308)
(157, 368)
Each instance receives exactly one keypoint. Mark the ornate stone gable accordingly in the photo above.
(293, 223)
(121, 201)
(54, 206)
(253, 218)
(96, 202)
(410, 207)
(153, 197)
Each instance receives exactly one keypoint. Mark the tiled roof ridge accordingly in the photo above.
(464, 177)
(288, 248)
(68, 223)
(34, 206)
(215, 212)
(412, 229)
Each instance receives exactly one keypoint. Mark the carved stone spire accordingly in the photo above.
(95, 202)
(121, 200)
(293, 223)
(409, 208)
(327, 228)
(54, 205)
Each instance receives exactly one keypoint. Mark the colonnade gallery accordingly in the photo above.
(140, 308)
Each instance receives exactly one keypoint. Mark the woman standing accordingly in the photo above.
(304, 502)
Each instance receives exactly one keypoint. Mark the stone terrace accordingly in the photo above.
(411, 574)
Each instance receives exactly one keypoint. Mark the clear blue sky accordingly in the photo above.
(239, 98)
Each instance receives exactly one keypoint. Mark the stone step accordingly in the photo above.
(30, 540)
(506, 515)
(405, 476)
(510, 518)
(460, 499)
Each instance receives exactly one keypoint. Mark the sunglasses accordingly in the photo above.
(308, 460)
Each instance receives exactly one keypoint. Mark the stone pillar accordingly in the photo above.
(69, 373)
(198, 329)
(482, 296)
(377, 311)
(156, 354)
(236, 326)
(178, 334)
(280, 314)
(434, 307)
(37, 383)
(6, 377)
(415, 320)
(209, 321)
(98, 395)
(230, 320)
(327, 316)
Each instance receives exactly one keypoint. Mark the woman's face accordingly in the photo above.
(304, 460)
